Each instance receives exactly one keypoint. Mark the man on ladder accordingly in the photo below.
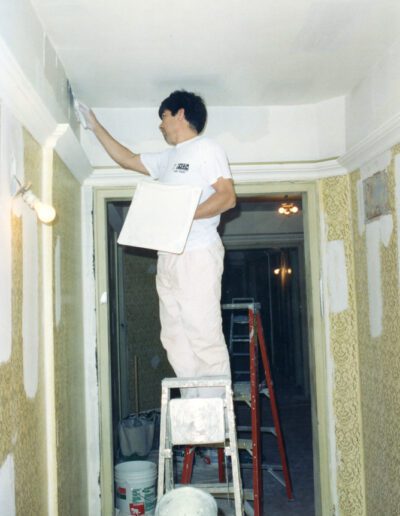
(189, 284)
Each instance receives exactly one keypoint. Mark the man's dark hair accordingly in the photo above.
(194, 106)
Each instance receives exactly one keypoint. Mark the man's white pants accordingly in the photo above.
(189, 288)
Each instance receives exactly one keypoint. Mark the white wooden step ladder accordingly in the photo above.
(199, 422)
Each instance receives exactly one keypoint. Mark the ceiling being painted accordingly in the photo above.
(132, 53)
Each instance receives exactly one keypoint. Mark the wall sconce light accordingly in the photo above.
(45, 212)
(282, 271)
(288, 208)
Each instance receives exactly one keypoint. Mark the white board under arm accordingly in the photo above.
(160, 216)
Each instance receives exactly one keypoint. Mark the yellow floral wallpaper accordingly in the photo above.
(366, 393)
(344, 352)
(68, 344)
(366, 383)
(22, 421)
(380, 368)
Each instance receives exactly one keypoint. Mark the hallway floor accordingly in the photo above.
(296, 426)
(295, 419)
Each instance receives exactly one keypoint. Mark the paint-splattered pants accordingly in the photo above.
(189, 288)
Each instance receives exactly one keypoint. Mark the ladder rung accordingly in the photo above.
(215, 489)
(245, 444)
(242, 391)
(265, 429)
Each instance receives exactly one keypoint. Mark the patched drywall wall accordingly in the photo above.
(68, 344)
(343, 346)
(247, 134)
(377, 260)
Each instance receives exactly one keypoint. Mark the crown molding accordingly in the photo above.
(113, 177)
(300, 171)
(19, 95)
(242, 173)
(377, 142)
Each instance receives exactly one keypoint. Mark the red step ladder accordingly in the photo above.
(251, 396)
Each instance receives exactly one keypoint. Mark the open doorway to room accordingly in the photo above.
(257, 241)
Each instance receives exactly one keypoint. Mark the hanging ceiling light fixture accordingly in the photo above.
(287, 208)
(45, 212)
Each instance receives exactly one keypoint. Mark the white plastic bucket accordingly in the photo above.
(135, 488)
(187, 501)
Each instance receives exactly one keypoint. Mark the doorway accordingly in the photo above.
(306, 247)
(264, 263)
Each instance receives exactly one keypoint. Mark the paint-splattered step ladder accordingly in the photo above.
(199, 422)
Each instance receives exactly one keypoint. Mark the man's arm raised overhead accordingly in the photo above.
(119, 153)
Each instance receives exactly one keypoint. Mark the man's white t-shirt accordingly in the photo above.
(198, 162)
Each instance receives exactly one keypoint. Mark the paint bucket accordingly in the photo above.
(135, 488)
(187, 501)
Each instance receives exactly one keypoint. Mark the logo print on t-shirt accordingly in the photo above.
(181, 168)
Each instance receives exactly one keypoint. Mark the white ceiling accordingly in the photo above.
(132, 53)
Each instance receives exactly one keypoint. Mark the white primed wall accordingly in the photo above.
(22, 33)
(375, 100)
(248, 134)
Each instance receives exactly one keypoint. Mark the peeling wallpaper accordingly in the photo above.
(22, 419)
(68, 344)
(366, 362)
(366, 369)
(344, 354)
(380, 367)
(23, 446)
